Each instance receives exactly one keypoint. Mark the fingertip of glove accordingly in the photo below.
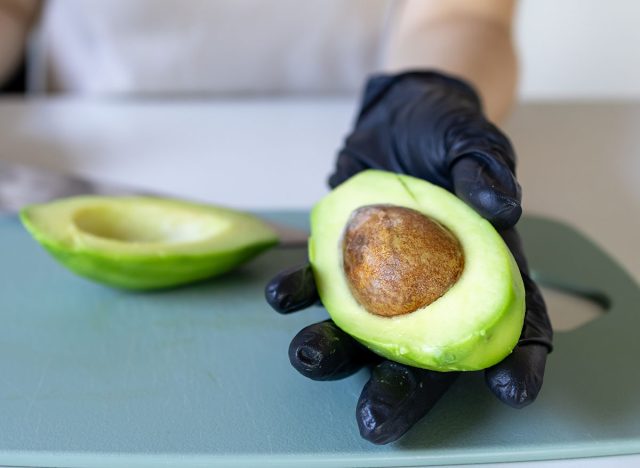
(278, 301)
(395, 398)
(379, 412)
(305, 359)
(501, 210)
(512, 392)
(367, 417)
(517, 380)
(492, 190)
(291, 290)
(324, 352)
(271, 294)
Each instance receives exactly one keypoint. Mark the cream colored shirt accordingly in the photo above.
(100, 47)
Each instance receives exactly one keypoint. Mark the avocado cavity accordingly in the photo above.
(146, 224)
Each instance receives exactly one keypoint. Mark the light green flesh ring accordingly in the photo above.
(145, 242)
(473, 325)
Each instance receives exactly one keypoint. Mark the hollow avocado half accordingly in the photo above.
(145, 243)
(474, 324)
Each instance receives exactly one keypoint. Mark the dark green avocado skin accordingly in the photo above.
(148, 273)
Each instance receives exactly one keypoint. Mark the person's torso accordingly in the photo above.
(206, 46)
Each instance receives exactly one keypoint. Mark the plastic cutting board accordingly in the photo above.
(199, 376)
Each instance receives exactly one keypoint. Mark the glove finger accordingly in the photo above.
(292, 290)
(396, 397)
(489, 186)
(324, 352)
(537, 326)
(514, 242)
(517, 379)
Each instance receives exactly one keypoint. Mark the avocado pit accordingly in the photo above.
(397, 260)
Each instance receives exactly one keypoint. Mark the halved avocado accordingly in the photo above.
(145, 242)
(415, 274)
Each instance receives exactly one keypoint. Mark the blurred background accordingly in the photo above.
(569, 49)
(573, 49)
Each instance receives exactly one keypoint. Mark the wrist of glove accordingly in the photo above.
(431, 126)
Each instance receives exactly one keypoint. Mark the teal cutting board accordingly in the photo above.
(199, 376)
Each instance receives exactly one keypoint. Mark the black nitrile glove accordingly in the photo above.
(430, 126)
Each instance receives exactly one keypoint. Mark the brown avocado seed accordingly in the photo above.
(398, 260)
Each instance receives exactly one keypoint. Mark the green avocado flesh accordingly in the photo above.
(145, 242)
(473, 325)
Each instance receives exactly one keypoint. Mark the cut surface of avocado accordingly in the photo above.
(467, 318)
(145, 242)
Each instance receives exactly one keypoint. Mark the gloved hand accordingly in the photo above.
(431, 126)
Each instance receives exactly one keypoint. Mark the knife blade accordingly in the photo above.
(22, 185)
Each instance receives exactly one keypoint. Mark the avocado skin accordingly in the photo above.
(153, 272)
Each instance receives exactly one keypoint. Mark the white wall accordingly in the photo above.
(574, 49)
